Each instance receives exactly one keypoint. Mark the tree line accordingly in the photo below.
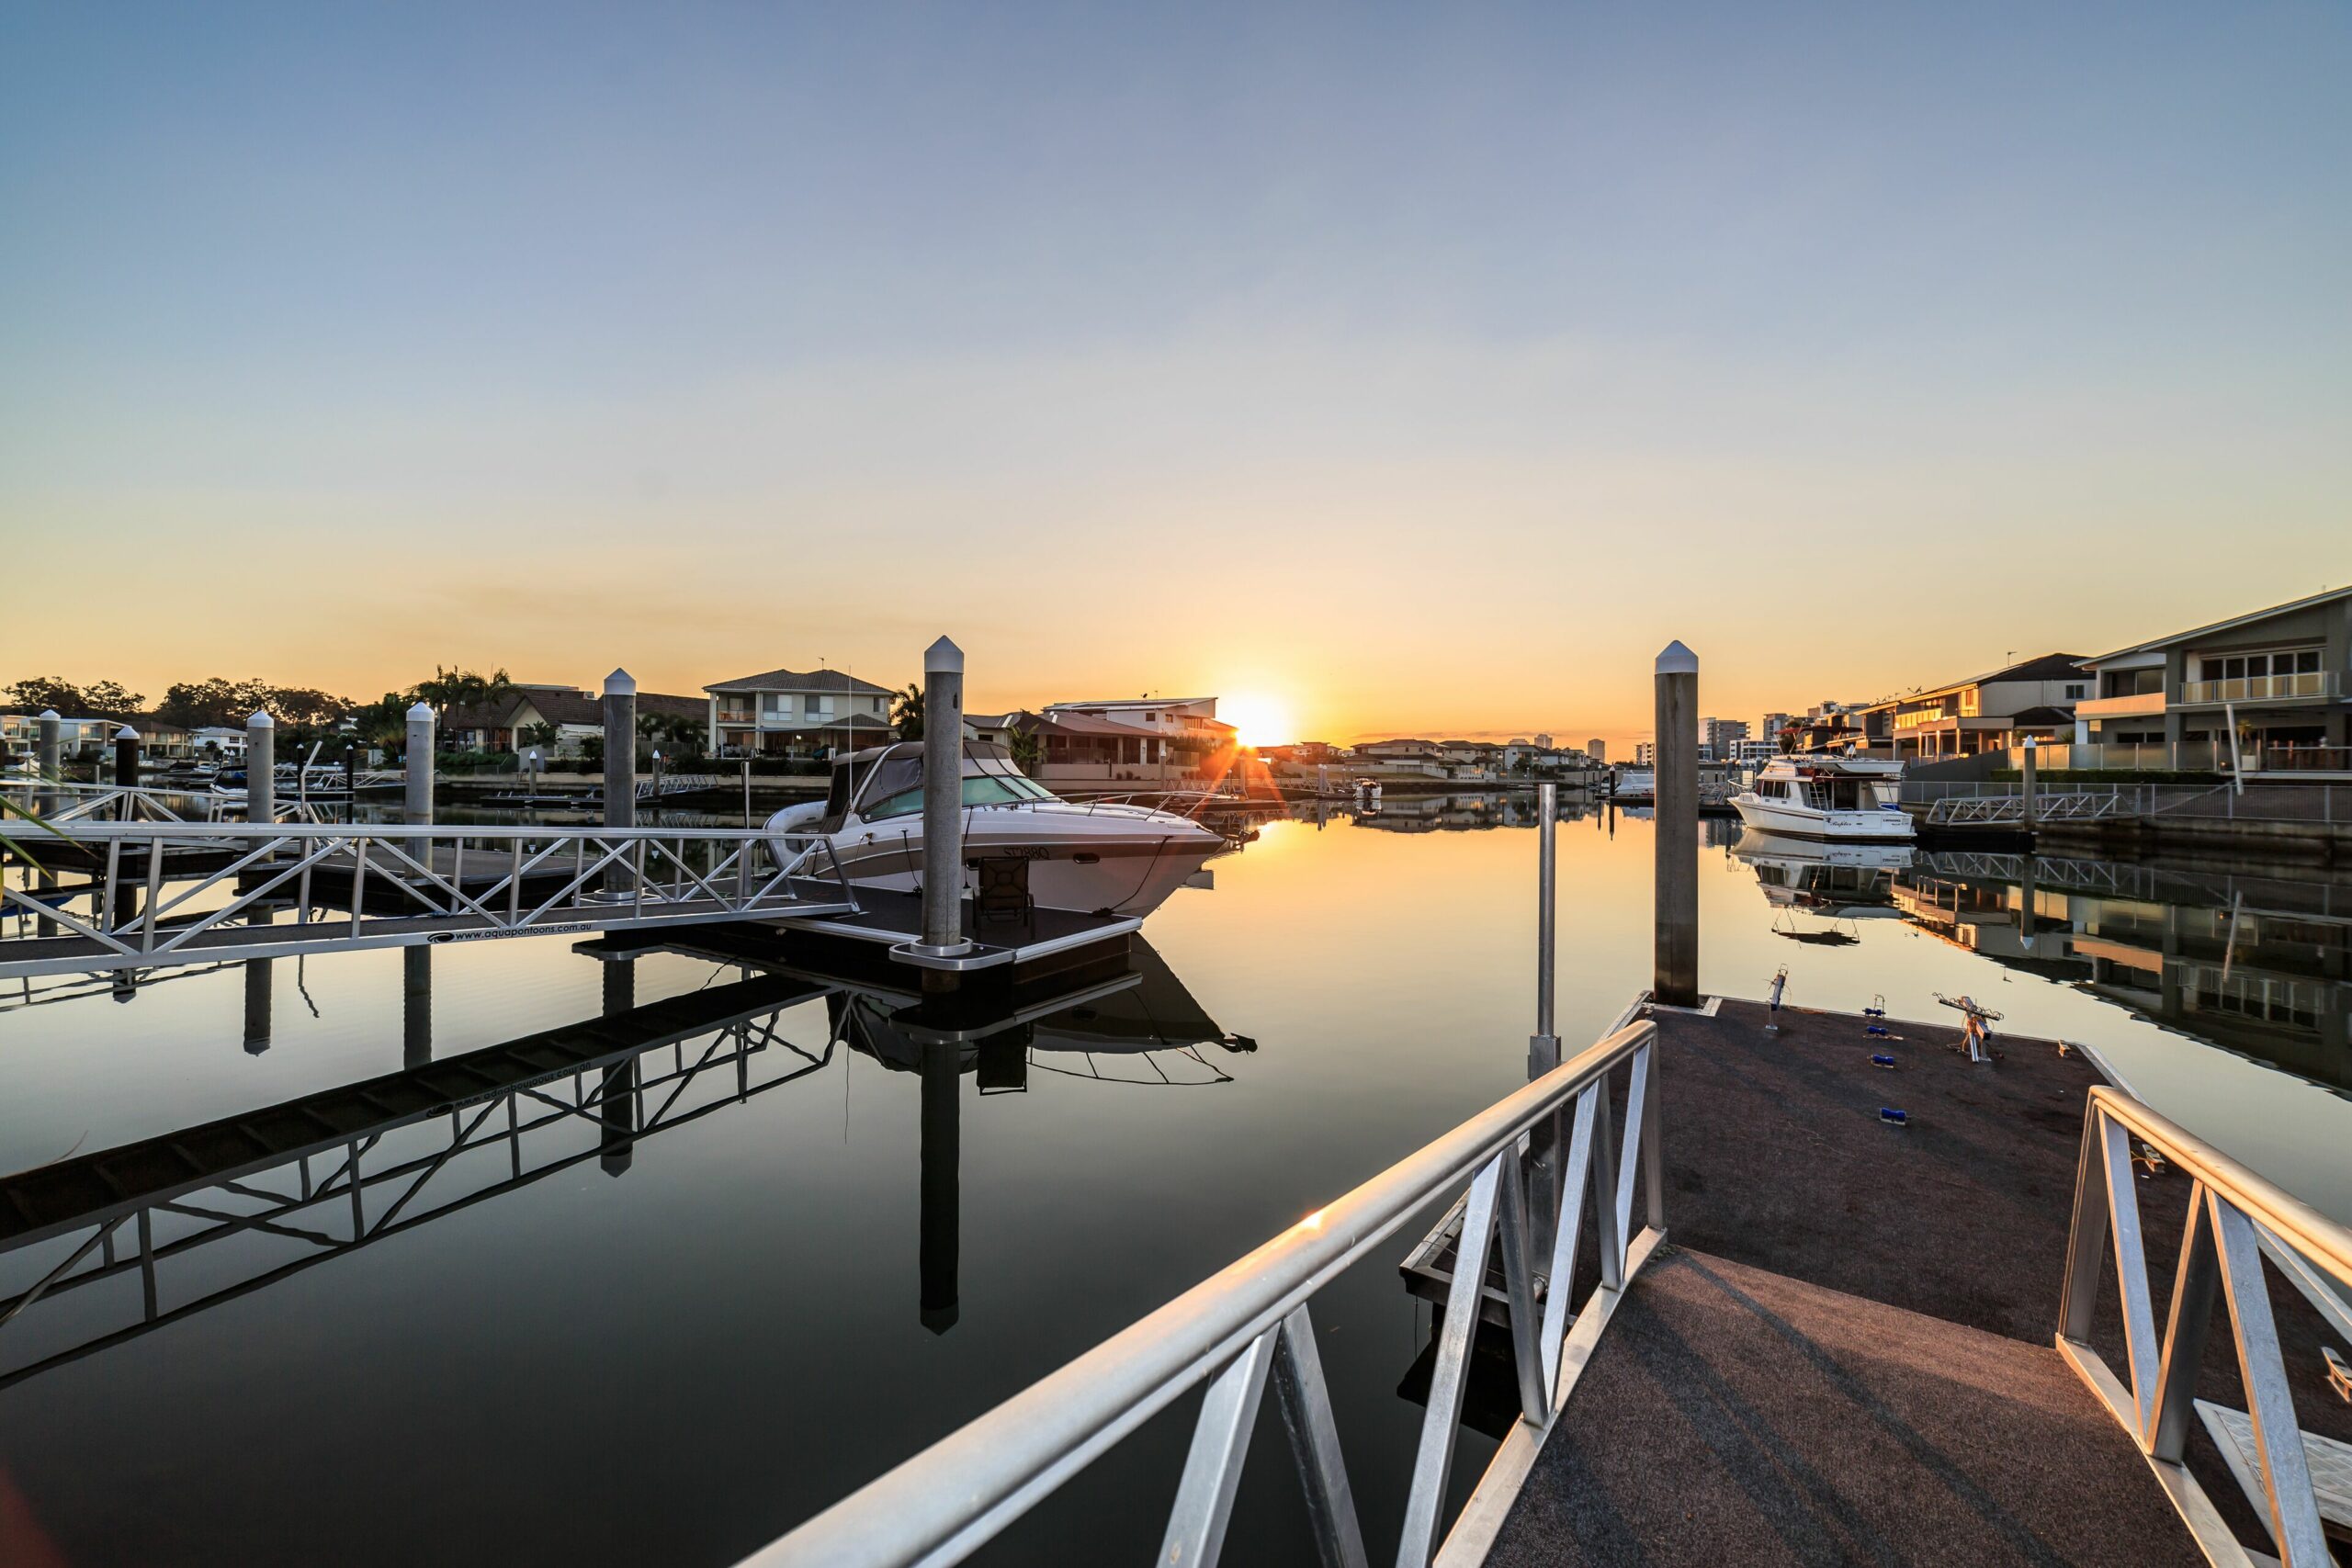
(220, 702)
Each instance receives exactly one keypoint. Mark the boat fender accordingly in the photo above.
(1878, 1060)
(1893, 1118)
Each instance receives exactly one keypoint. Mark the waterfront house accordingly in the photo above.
(1991, 712)
(576, 716)
(1401, 758)
(993, 728)
(1171, 743)
(77, 737)
(1855, 728)
(2274, 677)
(796, 712)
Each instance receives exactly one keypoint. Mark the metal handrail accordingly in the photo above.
(2235, 1218)
(1252, 1317)
(605, 876)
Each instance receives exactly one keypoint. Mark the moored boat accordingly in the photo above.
(1852, 798)
(1633, 787)
(1094, 857)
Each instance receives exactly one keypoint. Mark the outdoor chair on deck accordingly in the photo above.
(1000, 889)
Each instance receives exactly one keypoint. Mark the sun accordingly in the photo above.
(1258, 719)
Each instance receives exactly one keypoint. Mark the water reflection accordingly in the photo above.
(2257, 961)
(205, 1214)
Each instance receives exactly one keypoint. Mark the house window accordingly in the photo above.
(2074, 692)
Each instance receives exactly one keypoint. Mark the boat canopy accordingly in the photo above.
(887, 781)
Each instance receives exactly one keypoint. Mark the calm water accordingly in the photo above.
(670, 1350)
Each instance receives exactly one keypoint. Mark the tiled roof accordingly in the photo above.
(798, 680)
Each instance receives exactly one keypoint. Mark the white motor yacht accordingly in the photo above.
(1636, 787)
(1849, 798)
(1095, 857)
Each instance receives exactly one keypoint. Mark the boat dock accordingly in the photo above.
(1745, 1282)
(1847, 1352)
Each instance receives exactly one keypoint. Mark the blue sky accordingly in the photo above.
(1429, 365)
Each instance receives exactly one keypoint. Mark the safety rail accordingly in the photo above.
(1250, 1320)
(64, 804)
(144, 908)
(2235, 1219)
(1984, 810)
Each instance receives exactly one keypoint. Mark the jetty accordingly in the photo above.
(1738, 1282)
(159, 891)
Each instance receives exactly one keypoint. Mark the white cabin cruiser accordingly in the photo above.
(1847, 798)
(1093, 857)
(1636, 787)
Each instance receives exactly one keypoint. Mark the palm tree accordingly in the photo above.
(906, 712)
(462, 688)
(542, 735)
(1026, 752)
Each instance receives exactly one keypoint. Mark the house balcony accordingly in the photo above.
(2139, 705)
(2316, 685)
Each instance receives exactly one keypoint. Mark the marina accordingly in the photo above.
(885, 788)
(728, 971)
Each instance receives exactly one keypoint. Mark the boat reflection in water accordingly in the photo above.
(1139, 1027)
(1818, 888)
(171, 1226)
(1468, 812)
(2256, 961)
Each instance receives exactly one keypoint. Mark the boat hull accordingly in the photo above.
(1115, 879)
(1876, 825)
(1114, 860)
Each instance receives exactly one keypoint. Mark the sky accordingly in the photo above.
(1388, 369)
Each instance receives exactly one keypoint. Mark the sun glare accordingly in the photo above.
(1259, 721)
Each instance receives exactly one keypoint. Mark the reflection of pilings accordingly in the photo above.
(616, 1108)
(620, 986)
(258, 997)
(258, 1005)
(940, 1134)
(417, 1006)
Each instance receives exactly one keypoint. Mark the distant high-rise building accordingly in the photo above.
(1645, 753)
(1718, 736)
(1773, 724)
(1598, 751)
(1545, 742)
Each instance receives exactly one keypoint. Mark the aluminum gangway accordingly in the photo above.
(163, 893)
(2008, 810)
(192, 1213)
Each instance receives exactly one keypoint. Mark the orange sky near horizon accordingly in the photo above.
(1480, 680)
(1424, 373)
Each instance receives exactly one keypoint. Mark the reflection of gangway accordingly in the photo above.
(334, 1172)
(2116, 879)
(2008, 810)
(176, 892)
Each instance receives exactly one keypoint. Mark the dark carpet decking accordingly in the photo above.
(1775, 1156)
(1819, 1375)
(1736, 1415)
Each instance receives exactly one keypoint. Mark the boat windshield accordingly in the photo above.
(897, 789)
